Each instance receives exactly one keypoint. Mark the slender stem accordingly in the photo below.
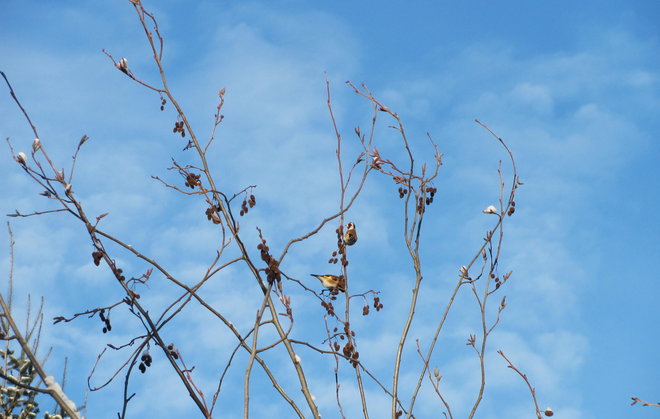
(487, 242)
(230, 222)
(253, 354)
(529, 385)
(59, 396)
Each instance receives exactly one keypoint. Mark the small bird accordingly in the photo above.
(350, 237)
(332, 282)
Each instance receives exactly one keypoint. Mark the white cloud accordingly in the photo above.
(537, 97)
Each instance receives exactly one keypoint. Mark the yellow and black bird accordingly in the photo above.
(350, 236)
(332, 282)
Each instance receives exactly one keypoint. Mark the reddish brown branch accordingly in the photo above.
(529, 385)
(636, 400)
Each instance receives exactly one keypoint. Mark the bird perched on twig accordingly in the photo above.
(332, 282)
(350, 236)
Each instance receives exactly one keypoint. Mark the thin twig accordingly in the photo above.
(636, 400)
(529, 385)
(57, 394)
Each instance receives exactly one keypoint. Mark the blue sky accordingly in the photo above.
(573, 87)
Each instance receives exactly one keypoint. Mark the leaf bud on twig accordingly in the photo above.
(490, 210)
(21, 158)
(464, 272)
(122, 65)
